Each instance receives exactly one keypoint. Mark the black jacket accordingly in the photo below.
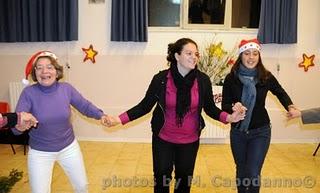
(156, 95)
(232, 90)
(12, 119)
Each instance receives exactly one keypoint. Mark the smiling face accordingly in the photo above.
(188, 58)
(46, 73)
(250, 58)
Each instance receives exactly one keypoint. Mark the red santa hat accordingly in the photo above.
(32, 60)
(247, 44)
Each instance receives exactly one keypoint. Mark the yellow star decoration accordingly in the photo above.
(90, 54)
(307, 62)
(217, 50)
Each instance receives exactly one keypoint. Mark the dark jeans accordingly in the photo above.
(249, 150)
(165, 156)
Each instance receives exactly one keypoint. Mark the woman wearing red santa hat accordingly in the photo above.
(53, 140)
(246, 86)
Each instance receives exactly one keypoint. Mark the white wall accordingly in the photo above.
(122, 72)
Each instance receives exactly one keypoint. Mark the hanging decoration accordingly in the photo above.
(307, 62)
(90, 54)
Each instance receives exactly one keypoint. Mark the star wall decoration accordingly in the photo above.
(90, 54)
(307, 62)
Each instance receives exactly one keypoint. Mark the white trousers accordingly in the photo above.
(40, 166)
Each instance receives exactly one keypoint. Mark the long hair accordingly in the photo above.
(263, 73)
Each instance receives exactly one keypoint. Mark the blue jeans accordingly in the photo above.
(249, 150)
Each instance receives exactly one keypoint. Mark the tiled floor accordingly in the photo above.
(127, 168)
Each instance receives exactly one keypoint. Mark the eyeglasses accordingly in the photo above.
(48, 67)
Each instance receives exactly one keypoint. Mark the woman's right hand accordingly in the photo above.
(238, 107)
(26, 121)
(236, 116)
(110, 121)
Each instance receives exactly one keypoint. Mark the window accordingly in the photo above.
(206, 11)
(245, 13)
(164, 13)
(208, 14)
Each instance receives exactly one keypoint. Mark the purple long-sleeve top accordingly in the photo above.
(51, 106)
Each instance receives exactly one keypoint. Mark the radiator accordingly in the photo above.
(215, 130)
(15, 89)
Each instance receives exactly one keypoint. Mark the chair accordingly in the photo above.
(4, 107)
(315, 152)
(6, 135)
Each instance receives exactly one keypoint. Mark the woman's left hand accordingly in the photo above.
(293, 112)
(236, 116)
(26, 121)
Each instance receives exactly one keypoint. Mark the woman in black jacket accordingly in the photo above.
(247, 86)
(179, 93)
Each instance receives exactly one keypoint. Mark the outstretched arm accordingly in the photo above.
(308, 116)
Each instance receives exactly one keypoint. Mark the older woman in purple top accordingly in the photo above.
(179, 93)
(53, 140)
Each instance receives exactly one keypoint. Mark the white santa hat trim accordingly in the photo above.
(248, 44)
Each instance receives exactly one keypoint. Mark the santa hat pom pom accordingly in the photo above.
(25, 81)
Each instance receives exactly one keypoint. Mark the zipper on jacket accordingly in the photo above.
(162, 109)
(200, 107)
(164, 118)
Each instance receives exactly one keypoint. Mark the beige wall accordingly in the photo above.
(122, 71)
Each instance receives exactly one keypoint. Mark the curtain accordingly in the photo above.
(278, 21)
(254, 12)
(38, 20)
(129, 20)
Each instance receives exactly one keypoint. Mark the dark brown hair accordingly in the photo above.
(177, 48)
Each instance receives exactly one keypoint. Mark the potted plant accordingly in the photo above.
(216, 62)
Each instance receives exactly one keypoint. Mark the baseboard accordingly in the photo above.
(202, 140)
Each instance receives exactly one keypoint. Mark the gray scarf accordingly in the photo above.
(248, 78)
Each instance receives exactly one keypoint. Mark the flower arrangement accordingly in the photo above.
(216, 62)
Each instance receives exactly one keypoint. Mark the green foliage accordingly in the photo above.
(7, 182)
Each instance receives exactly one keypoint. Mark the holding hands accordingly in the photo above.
(238, 107)
(26, 121)
(110, 121)
(293, 112)
(239, 113)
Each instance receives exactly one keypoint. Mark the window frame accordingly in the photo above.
(185, 26)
